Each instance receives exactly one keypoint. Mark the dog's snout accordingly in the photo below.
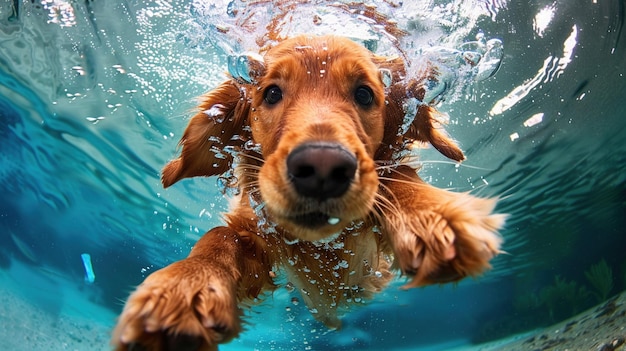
(321, 170)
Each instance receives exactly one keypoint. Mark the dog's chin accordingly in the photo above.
(314, 226)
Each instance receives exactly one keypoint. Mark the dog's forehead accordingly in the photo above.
(302, 55)
(317, 44)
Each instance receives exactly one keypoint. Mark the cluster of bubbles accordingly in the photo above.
(437, 37)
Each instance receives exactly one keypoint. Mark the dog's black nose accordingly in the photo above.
(321, 170)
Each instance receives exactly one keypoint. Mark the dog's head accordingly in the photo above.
(322, 111)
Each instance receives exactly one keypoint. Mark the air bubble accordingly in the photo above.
(333, 220)
(216, 113)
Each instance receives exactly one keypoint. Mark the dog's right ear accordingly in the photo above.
(221, 127)
(212, 133)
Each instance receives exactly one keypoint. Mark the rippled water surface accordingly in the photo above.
(94, 96)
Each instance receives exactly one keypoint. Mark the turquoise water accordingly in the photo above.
(94, 97)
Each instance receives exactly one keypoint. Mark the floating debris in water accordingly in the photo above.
(90, 276)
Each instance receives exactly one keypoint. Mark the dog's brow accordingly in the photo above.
(282, 70)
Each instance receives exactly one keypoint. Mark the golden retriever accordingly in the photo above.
(316, 135)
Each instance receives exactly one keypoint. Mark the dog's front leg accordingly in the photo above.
(438, 235)
(190, 304)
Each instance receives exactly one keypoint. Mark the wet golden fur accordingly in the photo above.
(388, 218)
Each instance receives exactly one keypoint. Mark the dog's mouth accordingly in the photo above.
(314, 220)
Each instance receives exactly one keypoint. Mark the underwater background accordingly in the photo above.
(94, 96)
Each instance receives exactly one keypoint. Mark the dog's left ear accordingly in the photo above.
(427, 128)
(425, 125)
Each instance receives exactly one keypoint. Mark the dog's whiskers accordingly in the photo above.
(252, 156)
(416, 164)
(381, 206)
(250, 166)
(396, 180)
(383, 203)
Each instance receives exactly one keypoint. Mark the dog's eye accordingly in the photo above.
(273, 94)
(364, 96)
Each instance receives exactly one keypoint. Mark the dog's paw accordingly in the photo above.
(453, 237)
(189, 305)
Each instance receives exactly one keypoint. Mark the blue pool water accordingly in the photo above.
(94, 96)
